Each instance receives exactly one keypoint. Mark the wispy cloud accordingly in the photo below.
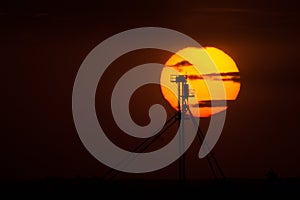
(236, 79)
(217, 103)
(183, 63)
(225, 76)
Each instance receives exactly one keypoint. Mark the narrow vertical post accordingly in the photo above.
(181, 115)
(180, 149)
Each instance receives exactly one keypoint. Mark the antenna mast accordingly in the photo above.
(183, 96)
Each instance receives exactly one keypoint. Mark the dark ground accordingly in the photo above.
(142, 189)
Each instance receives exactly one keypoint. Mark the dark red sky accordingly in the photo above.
(43, 45)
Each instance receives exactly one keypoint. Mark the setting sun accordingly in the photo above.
(215, 66)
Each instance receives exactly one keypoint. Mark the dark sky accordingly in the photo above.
(44, 44)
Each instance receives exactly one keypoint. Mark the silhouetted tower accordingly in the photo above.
(183, 94)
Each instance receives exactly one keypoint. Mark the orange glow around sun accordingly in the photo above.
(215, 66)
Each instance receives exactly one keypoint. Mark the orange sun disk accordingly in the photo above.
(214, 65)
